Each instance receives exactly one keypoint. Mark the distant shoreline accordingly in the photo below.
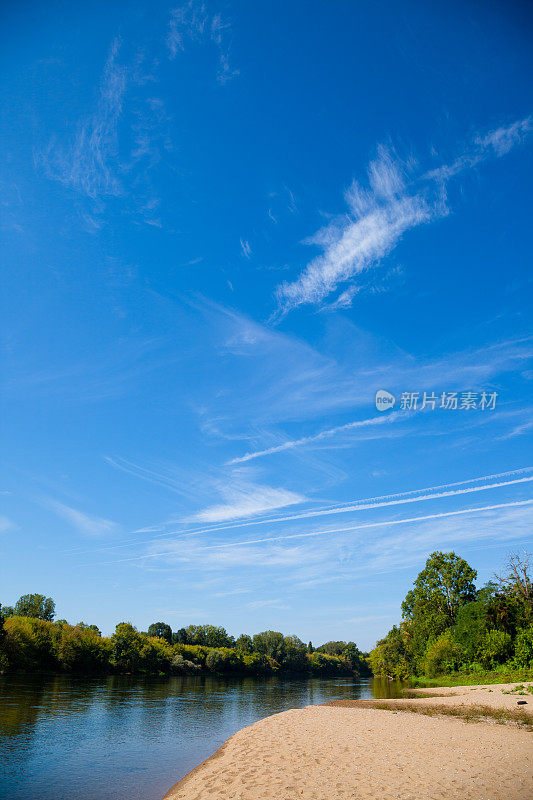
(368, 748)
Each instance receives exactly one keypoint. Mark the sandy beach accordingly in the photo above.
(348, 749)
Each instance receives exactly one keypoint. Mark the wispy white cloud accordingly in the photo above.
(496, 143)
(377, 218)
(369, 525)
(339, 554)
(394, 201)
(115, 147)
(318, 387)
(247, 500)
(518, 430)
(503, 139)
(277, 603)
(86, 166)
(89, 525)
(193, 22)
(318, 437)
(231, 592)
(246, 249)
(448, 490)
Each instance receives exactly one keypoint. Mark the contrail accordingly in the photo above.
(412, 496)
(382, 524)
(364, 423)
(364, 505)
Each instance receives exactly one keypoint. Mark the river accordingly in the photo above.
(116, 738)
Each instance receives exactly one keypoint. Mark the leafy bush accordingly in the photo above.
(28, 644)
(443, 655)
(524, 648)
(255, 663)
(80, 649)
(495, 648)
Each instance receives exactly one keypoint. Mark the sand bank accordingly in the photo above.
(336, 752)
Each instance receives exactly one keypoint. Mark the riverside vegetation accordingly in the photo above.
(458, 634)
(30, 641)
(451, 633)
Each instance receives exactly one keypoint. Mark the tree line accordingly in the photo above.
(31, 641)
(450, 626)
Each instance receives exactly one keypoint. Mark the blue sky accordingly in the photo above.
(225, 227)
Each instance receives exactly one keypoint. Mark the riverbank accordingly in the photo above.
(348, 749)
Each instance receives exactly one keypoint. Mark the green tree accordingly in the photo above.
(444, 585)
(84, 626)
(209, 636)
(244, 643)
(391, 656)
(495, 648)
(524, 648)
(332, 648)
(2, 620)
(443, 655)
(126, 648)
(80, 648)
(28, 644)
(270, 644)
(295, 656)
(356, 659)
(35, 605)
(470, 626)
(160, 630)
(180, 637)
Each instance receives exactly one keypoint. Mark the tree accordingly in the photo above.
(443, 655)
(524, 648)
(208, 636)
(356, 659)
(270, 644)
(470, 627)
(2, 620)
(35, 605)
(84, 626)
(295, 656)
(244, 643)
(126, 648)
(180, 637)
(160, 630)
(332, 648)
(445, 583)
(516, 580)
(391, 655)
(495, 648)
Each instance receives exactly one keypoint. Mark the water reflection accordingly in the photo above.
(118, 737)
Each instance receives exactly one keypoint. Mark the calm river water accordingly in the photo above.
(64, 738)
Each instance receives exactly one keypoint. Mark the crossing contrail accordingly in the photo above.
(348, 529)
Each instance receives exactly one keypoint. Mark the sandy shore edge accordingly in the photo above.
(346, 749)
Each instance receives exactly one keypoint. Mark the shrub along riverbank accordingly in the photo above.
(32, 644)
(455, 634)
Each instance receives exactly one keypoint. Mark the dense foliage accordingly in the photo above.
(449, 626)
(34, 642)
